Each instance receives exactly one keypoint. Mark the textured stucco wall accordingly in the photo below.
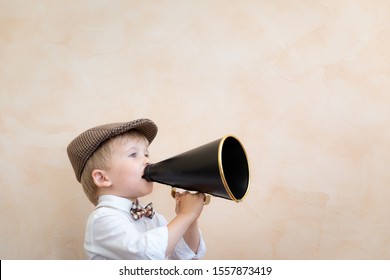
(303, 84)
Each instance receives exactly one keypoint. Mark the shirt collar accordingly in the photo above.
(115, 201)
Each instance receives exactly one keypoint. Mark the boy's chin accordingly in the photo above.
(149, 188)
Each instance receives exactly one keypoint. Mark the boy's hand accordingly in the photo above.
(189, 204)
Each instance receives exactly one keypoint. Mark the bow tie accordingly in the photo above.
(137, 211)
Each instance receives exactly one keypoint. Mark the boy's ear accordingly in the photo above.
(100, 179)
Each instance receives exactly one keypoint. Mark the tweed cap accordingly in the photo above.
(84, 145)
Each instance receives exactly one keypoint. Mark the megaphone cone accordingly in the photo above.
(219, 168)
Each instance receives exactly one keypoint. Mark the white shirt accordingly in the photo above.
(112, 233)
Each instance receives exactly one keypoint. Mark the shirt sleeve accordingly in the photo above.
(183, 252)
(112, 236)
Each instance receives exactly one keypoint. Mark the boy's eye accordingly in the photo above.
(134, 155)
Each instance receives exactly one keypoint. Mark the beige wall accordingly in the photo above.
(303, 84)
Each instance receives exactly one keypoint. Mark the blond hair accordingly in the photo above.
(101, 159)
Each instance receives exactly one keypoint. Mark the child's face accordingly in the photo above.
(128, 161)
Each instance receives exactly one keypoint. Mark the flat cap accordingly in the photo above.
(84, 145)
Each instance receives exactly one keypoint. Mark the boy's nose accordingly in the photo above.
(146, 161)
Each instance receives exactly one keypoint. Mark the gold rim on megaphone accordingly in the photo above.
(219, 168)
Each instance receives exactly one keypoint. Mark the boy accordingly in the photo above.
(108, 161)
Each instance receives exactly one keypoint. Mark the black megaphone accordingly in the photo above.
(219, 168)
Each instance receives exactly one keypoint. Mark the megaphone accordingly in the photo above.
(219, 168)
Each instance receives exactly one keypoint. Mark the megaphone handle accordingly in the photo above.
(207, 198)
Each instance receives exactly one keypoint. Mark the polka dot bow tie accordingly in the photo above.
(137, 211)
